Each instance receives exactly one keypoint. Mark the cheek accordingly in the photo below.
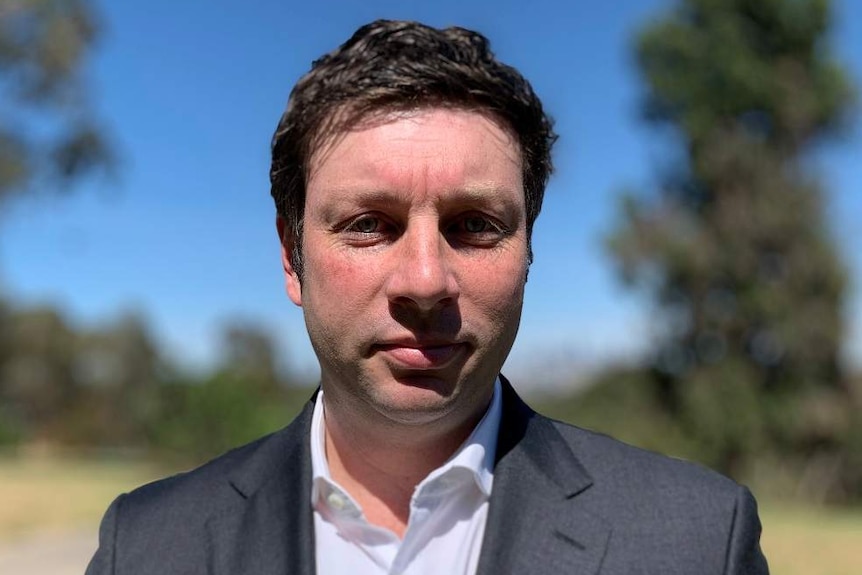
(499, 293)
(337, 289)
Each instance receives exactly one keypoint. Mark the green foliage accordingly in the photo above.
(761, 63)
(200, 420)
(734, 248)
(48, 134)
(36, 372)
(11, 432)
(109, 387)
(622, 403)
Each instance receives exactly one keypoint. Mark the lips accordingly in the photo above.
(415, 356)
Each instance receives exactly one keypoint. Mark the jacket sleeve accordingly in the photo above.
(103, 561)
(744, 556)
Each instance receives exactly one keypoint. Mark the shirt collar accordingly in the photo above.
(475, 455)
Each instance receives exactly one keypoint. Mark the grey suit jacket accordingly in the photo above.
(564, 500)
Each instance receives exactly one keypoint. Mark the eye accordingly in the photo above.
(365, 225)
(477, 229)
(367, 229)
(475, 224)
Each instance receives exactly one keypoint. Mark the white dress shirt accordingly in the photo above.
(447, 511)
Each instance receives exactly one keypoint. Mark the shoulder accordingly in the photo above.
(654, 513)
(620, 464)
(646, 480)
(678, 510)
(167, 526)
(218, 484)
(643, 492)
(612, 466)
(168, 515)
(189, 490)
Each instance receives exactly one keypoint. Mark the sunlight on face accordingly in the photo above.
(415, 253)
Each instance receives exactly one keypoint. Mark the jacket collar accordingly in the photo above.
(270, 531)
(536, 521)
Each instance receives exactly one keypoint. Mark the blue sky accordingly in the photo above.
(191, 92)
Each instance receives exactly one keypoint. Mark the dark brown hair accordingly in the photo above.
(390, 66)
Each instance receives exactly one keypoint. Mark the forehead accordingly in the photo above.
(347, 119)
(440, 146)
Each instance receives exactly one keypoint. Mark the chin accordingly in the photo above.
(417, 401)
(423, 399)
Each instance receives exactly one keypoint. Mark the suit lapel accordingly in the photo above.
(269, 530)
(537, 523)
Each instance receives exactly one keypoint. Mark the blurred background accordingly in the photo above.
(696, 290)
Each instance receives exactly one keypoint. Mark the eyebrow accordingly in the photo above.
(473, 195)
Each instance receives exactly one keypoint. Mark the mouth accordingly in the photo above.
(420, 356)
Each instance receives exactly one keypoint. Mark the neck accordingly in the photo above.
(380, 466)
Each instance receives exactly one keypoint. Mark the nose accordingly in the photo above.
(422, 274)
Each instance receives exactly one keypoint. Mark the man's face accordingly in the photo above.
(415, 258)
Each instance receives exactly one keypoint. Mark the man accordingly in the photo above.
(408, 170)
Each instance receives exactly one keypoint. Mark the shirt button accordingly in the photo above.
(336, 501)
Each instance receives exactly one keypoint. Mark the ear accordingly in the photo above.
(292, 285)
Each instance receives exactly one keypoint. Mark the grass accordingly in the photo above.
(45, 493)
(801, 540)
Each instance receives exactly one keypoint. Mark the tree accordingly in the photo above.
(49, 138)
(48, 134)
(248, 352)
(120, 372)
(734, 248)
(37, 373)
